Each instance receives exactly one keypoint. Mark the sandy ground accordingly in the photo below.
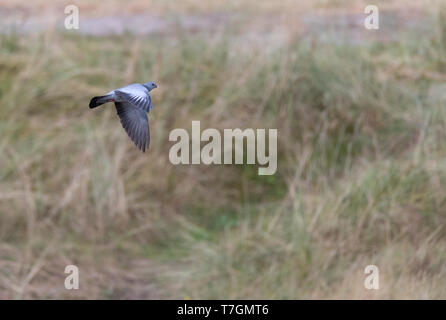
(275, 26)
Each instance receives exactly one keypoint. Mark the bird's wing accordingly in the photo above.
(135, 122)
(150, 103)
(139, 97)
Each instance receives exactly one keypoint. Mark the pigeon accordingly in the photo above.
(132, 103)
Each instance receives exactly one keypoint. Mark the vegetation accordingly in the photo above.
(360, 179)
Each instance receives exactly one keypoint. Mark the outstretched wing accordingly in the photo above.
(135, 122)
(138, 97)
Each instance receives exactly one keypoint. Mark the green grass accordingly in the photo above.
(360, 173)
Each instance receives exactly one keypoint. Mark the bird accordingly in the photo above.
(133, 103)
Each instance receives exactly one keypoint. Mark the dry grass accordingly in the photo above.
(360, 175)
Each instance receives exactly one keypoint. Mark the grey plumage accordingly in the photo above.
(132, 102)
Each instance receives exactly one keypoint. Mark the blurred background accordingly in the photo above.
(361, 150)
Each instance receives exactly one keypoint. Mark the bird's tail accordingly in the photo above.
(97, 101)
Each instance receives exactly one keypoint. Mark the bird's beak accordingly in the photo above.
(156, 86)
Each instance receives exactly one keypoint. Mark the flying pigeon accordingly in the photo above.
(132, 104)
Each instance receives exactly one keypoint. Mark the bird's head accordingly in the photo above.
(150, 85)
